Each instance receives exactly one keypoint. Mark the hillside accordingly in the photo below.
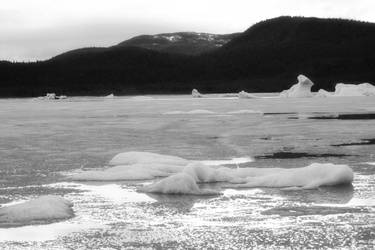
(189, 43)
(266, 57)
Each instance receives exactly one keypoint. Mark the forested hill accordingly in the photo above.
(189, 43)
(266, 57)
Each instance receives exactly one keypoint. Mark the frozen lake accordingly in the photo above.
(42, 142)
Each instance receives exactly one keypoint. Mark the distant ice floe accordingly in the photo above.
(241, 95)
(245, 95)
(300, 89)
(191, 112)
(42, 210)
(51, 96)
(303, 89)
(342, 90)
(110, 96)
(142, 165)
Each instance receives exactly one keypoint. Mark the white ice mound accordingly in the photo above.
(45, 209)
(245, 95)
(195, 93)
(110, 96)
(300, 89)
(180, 183)
(139, 171)
(310, 177)
(135, 157)
(135, 166)
(363, 89)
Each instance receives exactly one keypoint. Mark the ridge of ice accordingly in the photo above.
(301, 89)
(310, 177)
(191, 112)
(44, 209)
(180, 183)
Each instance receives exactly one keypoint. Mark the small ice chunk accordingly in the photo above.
(195, 93)
(300, 89)
(181, 183)
(110, 96)
(323, 93)
(245, 95)
(51, 96)
(45, 209)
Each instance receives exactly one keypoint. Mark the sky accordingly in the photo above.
(39, 29)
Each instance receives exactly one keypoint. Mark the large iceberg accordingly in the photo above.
(300, 89)
(143, 165)
(45, 209)
(310, 177)
(195, 93)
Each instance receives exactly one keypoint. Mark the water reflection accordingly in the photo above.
(178, 203)
(340, 194)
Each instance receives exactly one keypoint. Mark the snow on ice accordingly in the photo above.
(45, 209)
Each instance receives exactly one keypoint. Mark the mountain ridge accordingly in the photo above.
(266, 57)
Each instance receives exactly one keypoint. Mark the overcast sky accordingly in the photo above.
(39, 29)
